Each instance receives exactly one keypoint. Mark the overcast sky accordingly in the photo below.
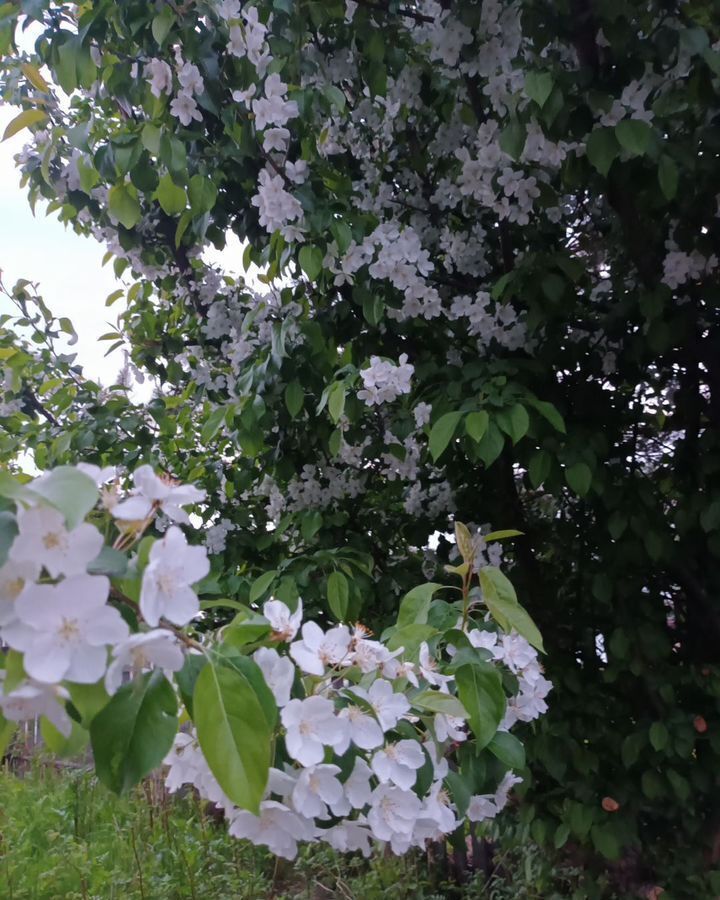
(72, 279)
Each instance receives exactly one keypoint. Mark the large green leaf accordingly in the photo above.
(514, 421)
(410, 637)
(579, 478)
(538, 86)
(134, 732)
(338, 595)
(442, 432)
(311, 260)
(634, 135)
(415, 605)
(170, 196)
(261, 584)
(508, 749)
(481, 693)
(501, 600)
(439, 702)
(602, 149)
(234, 733)
(202, 193)
(123, 204)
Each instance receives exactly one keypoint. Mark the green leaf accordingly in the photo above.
(634, 135)
(415, 605)
(514, 421)
(123, 205)
(549, 412)
(14, 489)
(512, 139)
(538, 86)
(336, 400)
(212, 424)
(294, 398)
(476, 424)
(602, 149)
(134, 732)
(202, 193)
(605, 841)
(171, 198)
(502, 535)
(252, 671)
(481, 693)
(60, 745)
(162, 24)
(187, 677)
(410, 637)
(442, 432)
(460, 791)
(261, 584)
(508, 749)
(337, 98)
(579, 478)
(539, 467)
(109, 562)
(32, 73)
(248, 627)
(338, 595)
(70, 491)
(491, 446)
(24, 120)
(439, 702)
(233, 733)
(311, 260)
(88, 700)
(8, 533)
(668, 177)
(659, 736)
(501, 600)
(150, 137)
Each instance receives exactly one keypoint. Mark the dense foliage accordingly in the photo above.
(488, 233)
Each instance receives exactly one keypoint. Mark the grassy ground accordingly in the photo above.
(63, 837)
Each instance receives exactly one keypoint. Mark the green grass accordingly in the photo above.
(64, 837)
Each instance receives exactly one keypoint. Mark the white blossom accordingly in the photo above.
(152, 491)
(173, 565)
(31, 699)
(278, 671)
(63, 629)
(43, 540)
(184, 108)
(317, 788)
(319, 649)
(283, 623)
(310, 725)
(277, 827)
(15, 577)
(398, 763)
(142, 651)
(160, 77)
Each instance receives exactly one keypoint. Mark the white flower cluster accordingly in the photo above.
(159, 75)
(384, 381)
(58, 615)
(354, 769)
(680, 267)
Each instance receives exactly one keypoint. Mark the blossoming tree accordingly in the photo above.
(486, 239)
(297, 733)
